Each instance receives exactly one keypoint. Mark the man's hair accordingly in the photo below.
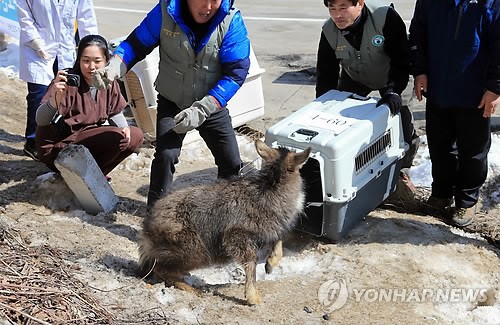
(326, 2)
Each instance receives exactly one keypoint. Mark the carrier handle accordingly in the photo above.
(303, 135)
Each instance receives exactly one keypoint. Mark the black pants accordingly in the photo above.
(459, 141)
(217, 132)
(409, 134)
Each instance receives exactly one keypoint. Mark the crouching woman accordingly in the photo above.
(74, 112)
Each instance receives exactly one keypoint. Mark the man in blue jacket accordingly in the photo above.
(455, 48)
(204, 59)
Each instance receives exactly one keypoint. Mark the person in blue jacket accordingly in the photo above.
(455, 54)
(204, 59)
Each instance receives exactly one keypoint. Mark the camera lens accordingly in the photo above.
(73, 80)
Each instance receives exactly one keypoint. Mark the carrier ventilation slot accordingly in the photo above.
(373, 151)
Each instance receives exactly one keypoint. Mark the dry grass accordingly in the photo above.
(37, 287)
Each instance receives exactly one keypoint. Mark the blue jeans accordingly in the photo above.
(34, 97)
(217, 132)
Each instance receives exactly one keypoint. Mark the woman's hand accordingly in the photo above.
(126, 141)
(61, 87)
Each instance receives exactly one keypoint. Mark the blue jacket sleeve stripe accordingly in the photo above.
(143, 39)
(237, 71)
(234, 58)
(126, 52)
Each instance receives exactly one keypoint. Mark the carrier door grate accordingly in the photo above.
(373, 151)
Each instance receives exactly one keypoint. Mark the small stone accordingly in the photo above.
(307, 310)
(326, 317)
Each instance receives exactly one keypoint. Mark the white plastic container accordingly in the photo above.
(248, 102)
(355, 162)
(246, 105)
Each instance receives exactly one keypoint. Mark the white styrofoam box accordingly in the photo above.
(246, 105)
(147, 70)
(248, 102)
(353, 143)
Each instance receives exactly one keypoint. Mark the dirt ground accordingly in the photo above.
(95, 257)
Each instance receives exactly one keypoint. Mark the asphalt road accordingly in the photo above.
(284, 36)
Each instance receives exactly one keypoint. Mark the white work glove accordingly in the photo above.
(114, 69)
(194, 116)
(37, 44)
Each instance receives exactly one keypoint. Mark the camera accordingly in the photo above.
(73, 80)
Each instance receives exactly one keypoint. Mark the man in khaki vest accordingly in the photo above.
(364, 47)
(204, 60)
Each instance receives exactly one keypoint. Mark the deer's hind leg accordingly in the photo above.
(274, 256)
(176, 279)
(174, 264)
(240, 247)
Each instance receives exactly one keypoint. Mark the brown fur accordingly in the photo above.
(226, 221)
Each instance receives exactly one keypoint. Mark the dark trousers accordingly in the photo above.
(409, 134)
(33, 99)
(459, 141)
(217, 132)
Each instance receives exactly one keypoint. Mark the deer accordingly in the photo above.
(227, 221)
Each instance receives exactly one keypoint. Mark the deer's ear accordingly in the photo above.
(267, 153)
(294, 161)
(300, 158)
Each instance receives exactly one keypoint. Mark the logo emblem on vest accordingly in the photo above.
(170, 33)
(378, 40)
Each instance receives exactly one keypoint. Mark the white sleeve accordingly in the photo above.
(26, 19)
(86, 18)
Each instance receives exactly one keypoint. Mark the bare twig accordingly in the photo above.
(24, 314)
(36, 282)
